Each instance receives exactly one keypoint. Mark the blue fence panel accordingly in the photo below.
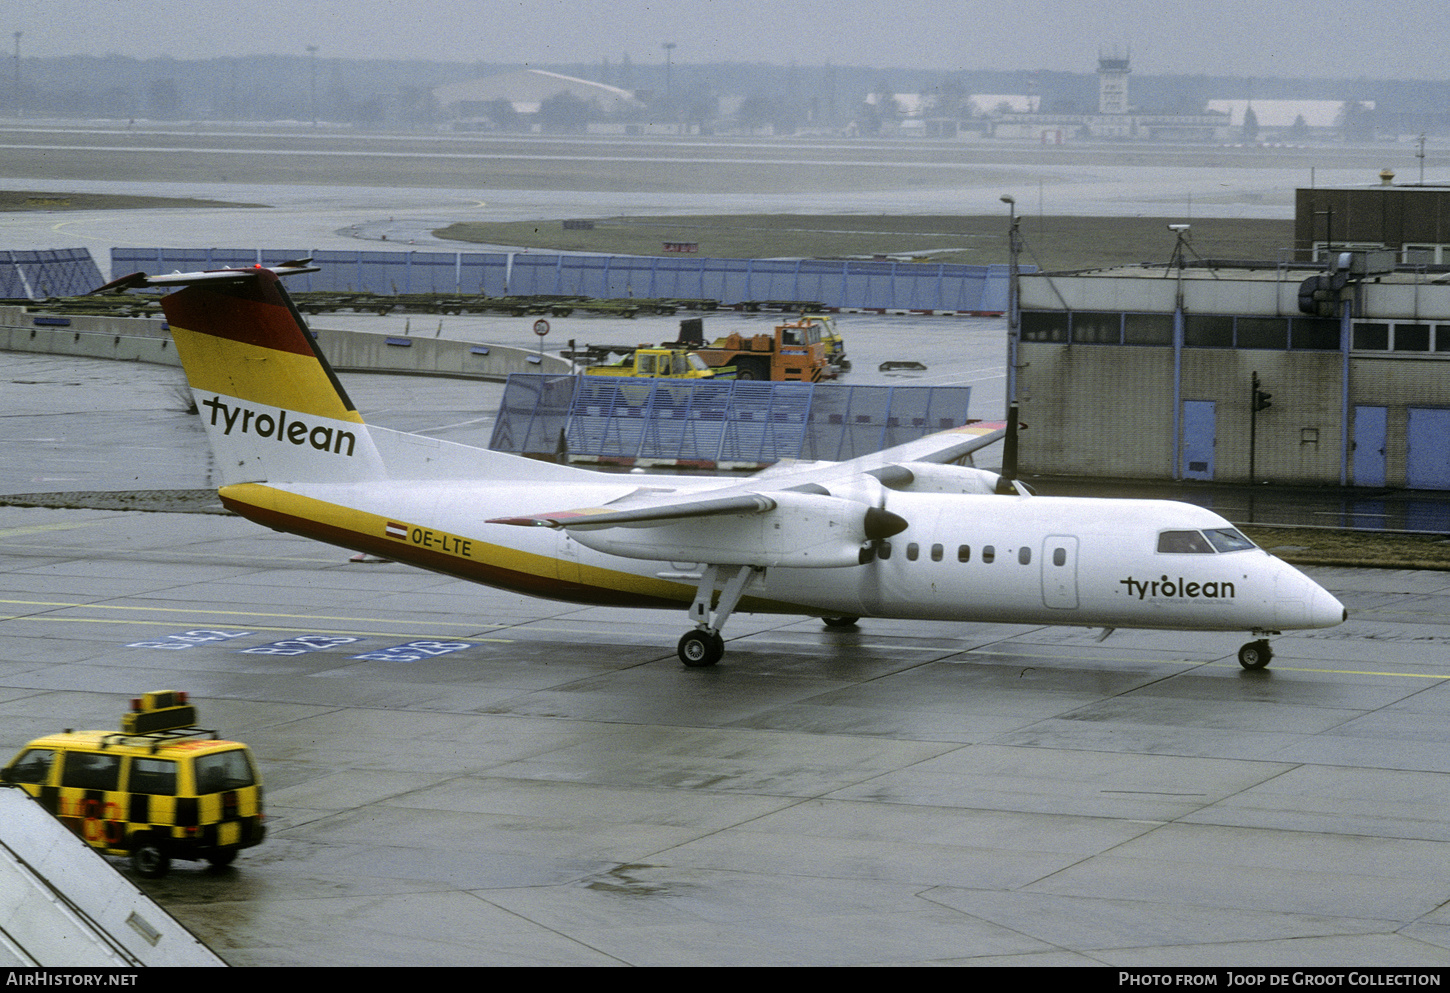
(533, 275)
(682, 278)
(12, 285)
(58, 272)
(710, 421)
(821, 281)
(850, 284)
(875, 283)
(997, 287)
(483, 272)
(703, 431)
(629, 277)
(533, 414)
(963, 290)
(431, 272)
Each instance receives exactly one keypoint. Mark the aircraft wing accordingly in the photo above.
(804, 527)
(755, 495)
(672, 511)
(941, 447)
(944, 446)
(806, 514)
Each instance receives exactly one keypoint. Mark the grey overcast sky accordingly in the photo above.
(1266, 38)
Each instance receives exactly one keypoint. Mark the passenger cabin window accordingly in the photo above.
(936, 553)
(1024, 555)
(1059, 556)
(964, 553)
(883, 550)
(989, 553)
(912, 551)
(1180, 542)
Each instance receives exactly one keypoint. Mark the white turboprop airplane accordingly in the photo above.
(901, 533)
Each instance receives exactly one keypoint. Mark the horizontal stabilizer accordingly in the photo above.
(137, 280)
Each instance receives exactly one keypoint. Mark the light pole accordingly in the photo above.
(19, 105)
(1014, 330)
(669, 48)
(312, 65)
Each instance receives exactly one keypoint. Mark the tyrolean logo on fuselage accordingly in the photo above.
(1177, 589)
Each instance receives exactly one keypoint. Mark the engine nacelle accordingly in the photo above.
(931, 477)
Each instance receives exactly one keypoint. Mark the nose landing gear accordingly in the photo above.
(1256, 654)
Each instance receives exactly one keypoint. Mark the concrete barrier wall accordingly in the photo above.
(140, 339)
(361, 352)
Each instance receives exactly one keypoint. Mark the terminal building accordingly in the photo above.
(1330, 370)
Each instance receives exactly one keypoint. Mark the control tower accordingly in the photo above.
(1113, 84)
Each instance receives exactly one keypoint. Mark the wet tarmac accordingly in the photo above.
(461, 776)
(468, 777)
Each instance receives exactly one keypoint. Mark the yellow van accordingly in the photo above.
(154, 791)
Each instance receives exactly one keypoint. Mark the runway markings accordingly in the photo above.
(188, 639)
(303, 644)
(964, 655)
(43, 528)
(430, 623)
(414, 651)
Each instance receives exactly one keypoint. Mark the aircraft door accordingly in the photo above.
(1427, 449)
(1198, 439)
(1059, 571)
(1369, 446)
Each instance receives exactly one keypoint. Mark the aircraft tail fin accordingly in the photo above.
(274, 410)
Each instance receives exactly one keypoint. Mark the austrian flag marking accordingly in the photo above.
(399, 531)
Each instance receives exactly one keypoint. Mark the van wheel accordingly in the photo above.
(149, 861)
(222, 858)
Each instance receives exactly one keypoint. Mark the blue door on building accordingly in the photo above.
(1369, 446)
(1427, 449)
(1198, 439)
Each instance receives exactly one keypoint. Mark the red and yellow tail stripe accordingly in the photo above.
(245, 340)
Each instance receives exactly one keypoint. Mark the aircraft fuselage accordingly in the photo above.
(1012, 559)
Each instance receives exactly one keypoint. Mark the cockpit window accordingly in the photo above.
(1229, 540)
(1184, 541)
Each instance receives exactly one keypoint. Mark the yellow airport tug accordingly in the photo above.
(160, 788)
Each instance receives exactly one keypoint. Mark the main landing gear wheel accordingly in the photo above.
(1255, 655)
(698, 648)
(703, 646)
(839, 622)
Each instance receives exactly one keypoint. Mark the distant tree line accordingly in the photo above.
(782, 99)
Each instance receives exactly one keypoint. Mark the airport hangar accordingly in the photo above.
(1149, 372)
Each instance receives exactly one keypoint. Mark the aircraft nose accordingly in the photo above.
(1325, 610)
(1300, 602)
